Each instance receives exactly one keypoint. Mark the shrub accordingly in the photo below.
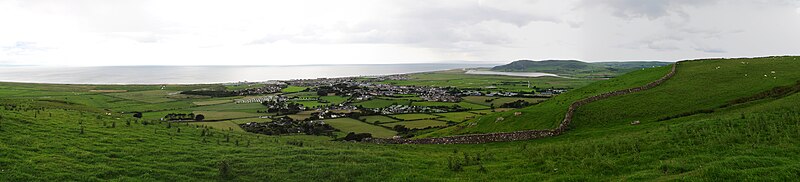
(357, 137)
(224, 169)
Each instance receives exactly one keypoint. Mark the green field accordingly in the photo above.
(498, 101)
(334, 99)
(457, 116)
(408, 117)
(550, 113)
(219, 115)
(457, 78)
(211, 102)
(301, 115)
(243, 86)
(467, 105)
(248, 107)
(151, 96)
(352, 125)
(417, 124)
(62, 133)
(221, 125)
(377, 119)
(248, 120)
(293, 89)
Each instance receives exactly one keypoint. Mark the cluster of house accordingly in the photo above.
(259, 99)
(321, 81)
(400, 109)
(266, 89)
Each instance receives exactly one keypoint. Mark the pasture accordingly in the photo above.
(457, 116)
(211, 102)
(417, 124)
(293, 89)
(377, 119)
(415, 116)
(351, 125)
(462, 104)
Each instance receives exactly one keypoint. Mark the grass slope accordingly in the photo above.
(754, 141)
(550, 113)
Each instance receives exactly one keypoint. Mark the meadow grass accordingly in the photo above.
(293, 89)
(377, 119)
(499, 101)
(211, 102)
(550, 113)
(352, 125)
(150, 96)
(59, 133)
(248, 120)
(334, 99)
(243, 86)
(221, 125)
(415, 116)
(457, 116)
(417, 124)
(467, 105)
(457, 78)
(220, 115)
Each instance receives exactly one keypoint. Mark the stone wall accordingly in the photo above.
(528, 134)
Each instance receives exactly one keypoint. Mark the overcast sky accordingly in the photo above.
(279, 32)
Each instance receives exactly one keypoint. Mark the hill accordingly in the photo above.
(715, 120)
(707, 84)
(573, 68)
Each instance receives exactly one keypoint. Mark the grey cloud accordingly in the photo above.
(651, 9)
(23, 48)
(426, 23)
(710, 50)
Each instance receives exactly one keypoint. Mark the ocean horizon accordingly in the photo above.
(208, 74)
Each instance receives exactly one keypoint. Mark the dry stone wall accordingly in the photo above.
(529, 134)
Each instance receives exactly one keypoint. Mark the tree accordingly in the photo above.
(137, 115)
(357, 137)
(199, 117)
(400, 128)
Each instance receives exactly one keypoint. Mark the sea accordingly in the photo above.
(206, 74)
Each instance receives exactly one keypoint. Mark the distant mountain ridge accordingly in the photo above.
(577, 68)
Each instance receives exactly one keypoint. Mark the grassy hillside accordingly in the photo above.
(548, 114)
(749, 141)
(698, 87)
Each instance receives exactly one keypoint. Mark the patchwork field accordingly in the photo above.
(379, 103)
(457, 116)
(219, 115)
(417, 124)
(408, 117)
(499, 101)
(334, 99)
(151, 96)
(293, 89)
(211, 102)
(220, 125)
(457, 78)
(716, 120)
(377, 119)
(352, 125)
(450, 104)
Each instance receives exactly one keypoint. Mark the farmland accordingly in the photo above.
(417, 124)
(352, 125)
(413, 116)
(377, 119)
(718, 119)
